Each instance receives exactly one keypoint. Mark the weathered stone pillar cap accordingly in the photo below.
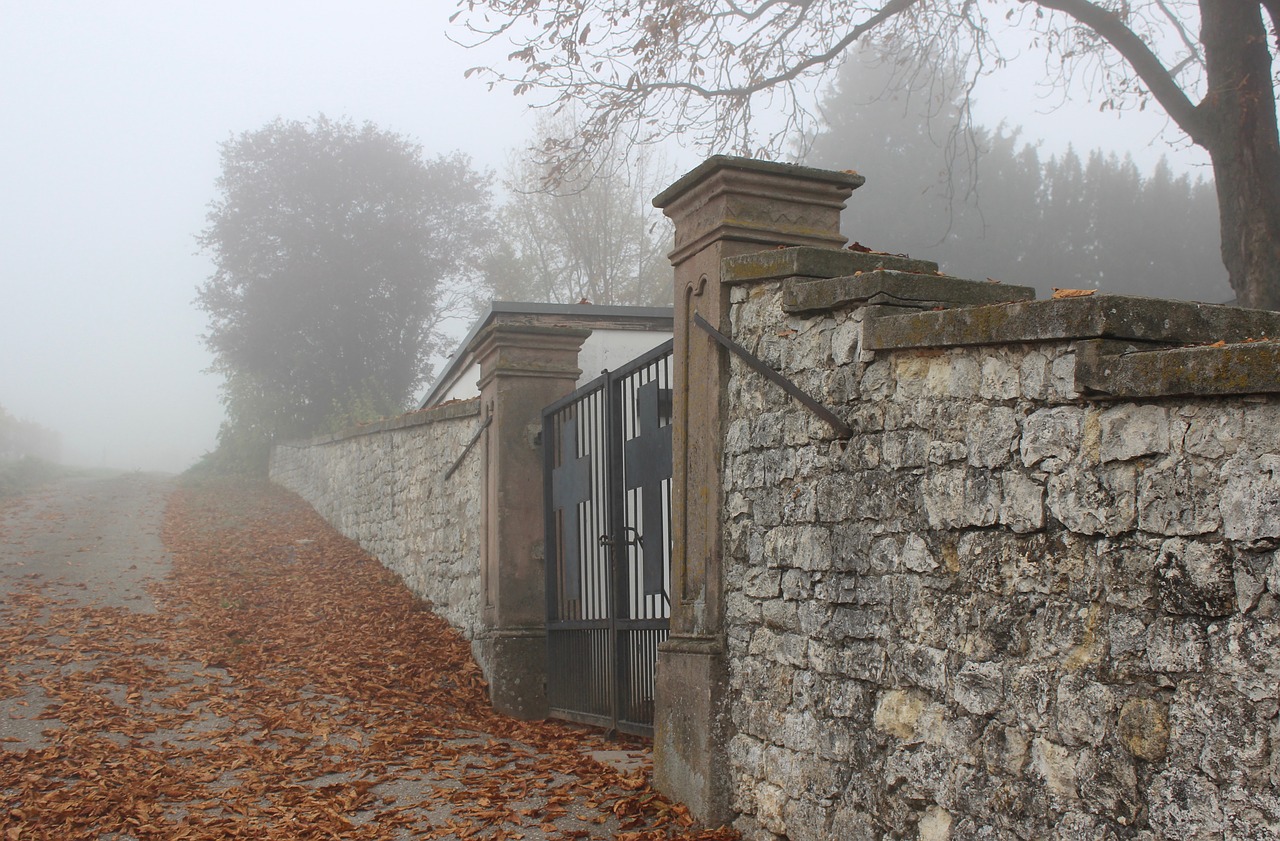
(699, 173)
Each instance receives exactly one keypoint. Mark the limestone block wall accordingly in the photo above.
(384, 486)
(1010, 606)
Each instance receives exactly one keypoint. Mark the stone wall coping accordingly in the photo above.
(810, 262)
(421, 417)
(882, 287)
(1114, 317)
(698, 174)
(1246, 368)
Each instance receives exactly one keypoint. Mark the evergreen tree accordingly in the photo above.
(983, 204)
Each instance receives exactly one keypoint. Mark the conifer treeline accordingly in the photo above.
(986, 205)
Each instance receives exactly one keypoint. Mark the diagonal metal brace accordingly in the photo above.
(843, 430)
(474, 438)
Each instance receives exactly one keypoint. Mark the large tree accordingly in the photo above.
(333, 245)
(701, 67)
(570, 237)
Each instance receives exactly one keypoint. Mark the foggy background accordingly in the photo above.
(112, 118)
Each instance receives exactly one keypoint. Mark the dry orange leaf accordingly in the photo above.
(287, 696)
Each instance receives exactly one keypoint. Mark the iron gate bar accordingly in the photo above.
(615, 538)
(643, 624)
(645, 359)
(842, 429)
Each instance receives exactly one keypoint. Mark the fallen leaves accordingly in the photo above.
(289, 688)
(862, 249)
(1059, 294)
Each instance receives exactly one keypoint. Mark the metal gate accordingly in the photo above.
(607, 486)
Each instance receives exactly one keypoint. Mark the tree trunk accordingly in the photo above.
(1242, 141)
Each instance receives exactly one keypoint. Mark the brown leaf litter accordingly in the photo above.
(290, 687)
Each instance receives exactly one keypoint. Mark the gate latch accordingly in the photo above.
(632, 537)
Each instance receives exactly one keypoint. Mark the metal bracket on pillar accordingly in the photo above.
(843, 430)
(474, 438)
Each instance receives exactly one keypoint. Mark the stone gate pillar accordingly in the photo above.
(523, 368)
(723, 207)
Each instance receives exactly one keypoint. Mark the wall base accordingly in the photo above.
(515, 664)
(690, 758)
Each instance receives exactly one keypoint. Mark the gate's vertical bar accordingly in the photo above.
(551, 542)
(617, 585)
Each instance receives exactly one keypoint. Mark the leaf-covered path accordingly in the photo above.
(274, 683)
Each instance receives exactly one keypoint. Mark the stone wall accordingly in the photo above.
(453, 504)
(1033, 596)
(384, 486)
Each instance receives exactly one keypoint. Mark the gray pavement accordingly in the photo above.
(112, 727)
(96, 540)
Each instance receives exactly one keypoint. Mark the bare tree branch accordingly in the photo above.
(1145, 63)
(798, 69)
(1193, 47)
(743, 14)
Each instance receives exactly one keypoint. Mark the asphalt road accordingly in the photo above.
(115, 725)
(95, 540)
(89, 542)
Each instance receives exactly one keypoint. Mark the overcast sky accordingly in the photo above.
(112, 117)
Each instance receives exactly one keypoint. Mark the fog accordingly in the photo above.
(113, 113)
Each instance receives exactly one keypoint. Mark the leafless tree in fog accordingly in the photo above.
(582, 237)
